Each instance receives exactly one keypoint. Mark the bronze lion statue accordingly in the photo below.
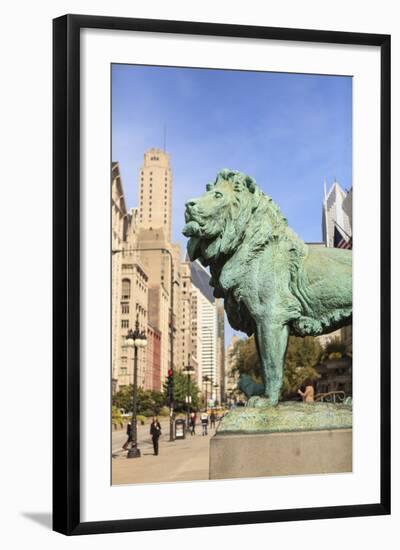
(272, 283)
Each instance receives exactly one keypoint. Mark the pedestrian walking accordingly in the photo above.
(192, 423)
(155, 432)
(213, 418)
(204, 423)
(129, 434)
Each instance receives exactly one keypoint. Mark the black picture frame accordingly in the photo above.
(66, 273)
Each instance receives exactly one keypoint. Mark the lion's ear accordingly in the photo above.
(209, 186)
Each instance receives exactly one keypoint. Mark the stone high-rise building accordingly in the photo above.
(161, 257)
(155, 192)
(129, 289)
(153, 381)
(185, 353)
(162, 263)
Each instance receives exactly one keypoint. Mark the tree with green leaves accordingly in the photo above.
(181, 391)
(302, 357)
(334, 349)
(148, 402)
(116, 416)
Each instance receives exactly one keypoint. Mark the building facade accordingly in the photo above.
(335, 375)
(129, 289)
(171, 298)
(205, 317)
(153, 379)
(335, 211)
(155, 192)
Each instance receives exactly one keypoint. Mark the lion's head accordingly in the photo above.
(232, 209)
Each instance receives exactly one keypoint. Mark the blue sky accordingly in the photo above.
(288, 131)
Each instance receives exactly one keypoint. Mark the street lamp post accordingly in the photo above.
(135, 339)
(206, 379)
(188, 370)
(216, 386)
(172, 327)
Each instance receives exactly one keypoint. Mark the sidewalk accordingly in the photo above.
(179, 460)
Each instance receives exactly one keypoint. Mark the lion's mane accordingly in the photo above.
(258, 224)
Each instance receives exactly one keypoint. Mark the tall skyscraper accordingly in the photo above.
(155, 192)
(207, 325)
(334, 211)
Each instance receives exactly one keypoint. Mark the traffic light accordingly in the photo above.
(170, 385)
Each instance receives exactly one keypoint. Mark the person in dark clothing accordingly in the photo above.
(212, 419)
(155, 432)
(192, 423)
(129, 434)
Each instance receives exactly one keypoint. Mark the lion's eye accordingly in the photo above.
(218, 195)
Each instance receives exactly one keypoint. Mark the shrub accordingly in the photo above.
(148, 413)
(164, 411)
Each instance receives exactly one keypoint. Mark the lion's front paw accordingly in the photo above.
(260, 402)
(249, 387)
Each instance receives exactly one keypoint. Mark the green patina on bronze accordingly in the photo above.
(272, 283)
(287, 417)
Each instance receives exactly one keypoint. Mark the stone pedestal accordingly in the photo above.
(280, 453)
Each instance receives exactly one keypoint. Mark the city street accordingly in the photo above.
(179, 460)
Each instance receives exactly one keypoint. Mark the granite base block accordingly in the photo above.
(280, 454)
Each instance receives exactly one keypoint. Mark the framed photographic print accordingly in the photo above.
(221, 274)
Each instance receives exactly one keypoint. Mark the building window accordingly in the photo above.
(126, 289)
(123, 371)
(125, 308)
(124, 323)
